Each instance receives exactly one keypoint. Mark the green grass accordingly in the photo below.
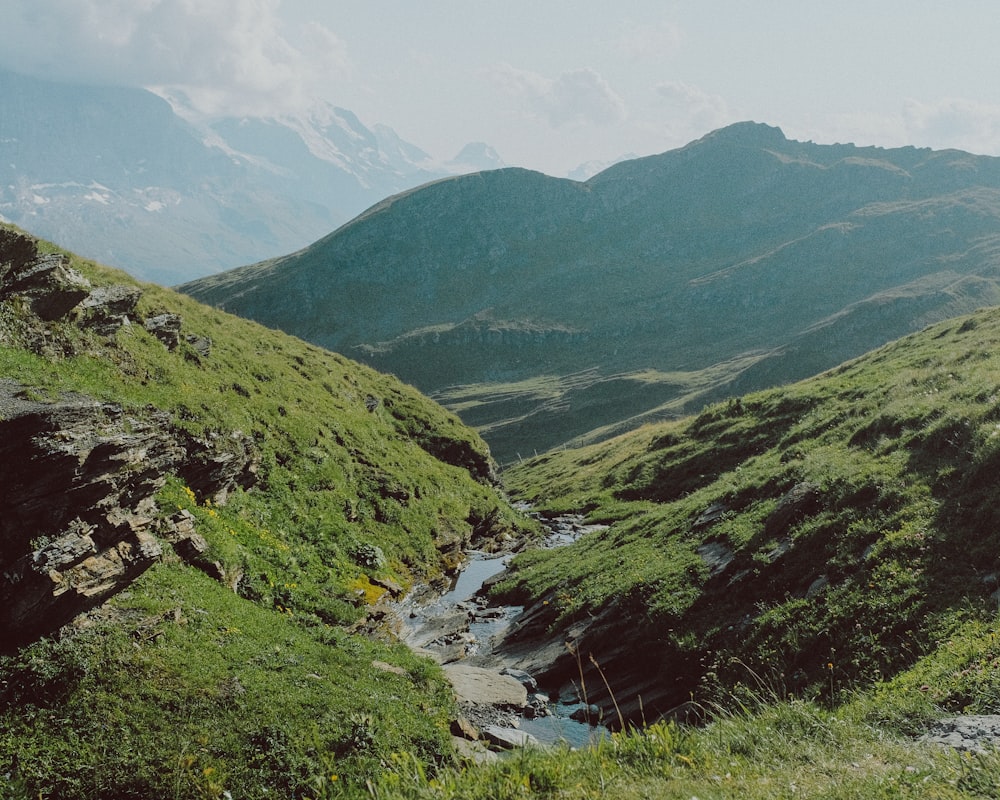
(818, 653)
(181, 687)
(900, 448)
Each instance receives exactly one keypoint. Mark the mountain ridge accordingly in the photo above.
(176, 194)
(735, 249)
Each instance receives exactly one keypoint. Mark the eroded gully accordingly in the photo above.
(502, 705)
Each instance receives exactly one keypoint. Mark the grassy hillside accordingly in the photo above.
(822, 536)
(548, 312)
(250, 681)
(828, 549)
(809, 574)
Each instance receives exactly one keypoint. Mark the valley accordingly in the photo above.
(781, 571)
(548, 313)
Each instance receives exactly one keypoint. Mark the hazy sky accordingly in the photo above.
(550, 83)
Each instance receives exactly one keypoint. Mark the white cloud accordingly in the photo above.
(578, 97)
(954, 122)
(694, 106)
(232, 55)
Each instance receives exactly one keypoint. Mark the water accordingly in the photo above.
(458, 624)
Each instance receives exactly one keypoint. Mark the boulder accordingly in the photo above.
(508, 738)
(50, 285)
(478, 686)
(108, 308)
(165, 327)
(473, 751)
(522, 677)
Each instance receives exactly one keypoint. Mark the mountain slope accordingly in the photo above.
(146, 183)
(543, 310)
(197, 512)
(818, 537)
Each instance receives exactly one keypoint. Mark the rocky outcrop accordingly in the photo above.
(77, 486)
(78, 477)
(108, 308)
(51, 287)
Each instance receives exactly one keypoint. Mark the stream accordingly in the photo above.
(460, 627)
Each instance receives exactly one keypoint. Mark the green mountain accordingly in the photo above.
(547, 312)
(815, 539)
(197, 511)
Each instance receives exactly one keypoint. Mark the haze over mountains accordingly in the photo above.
(547, 311)
(133, 180)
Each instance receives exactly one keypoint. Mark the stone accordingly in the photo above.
(202, 345)
(711, 515)
(383, 666)
(165, 327)
(50, 285)
(461, 727)
(522, 677)
(474, 751)
(78, 480)
(480, 686)
(801, 500)
(108, 308)
(508, 738)
(973, 733)
(389, 585)
(591, 714)
(716, 556)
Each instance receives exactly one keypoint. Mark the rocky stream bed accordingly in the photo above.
(502, 706)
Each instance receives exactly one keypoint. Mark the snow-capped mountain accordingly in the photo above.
(141, 181)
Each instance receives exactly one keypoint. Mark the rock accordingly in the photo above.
(974, 733)
(165, 327)
(711, 515)
(509, 738)
(522, 677)
(108, 308)
(202, 345)
(389, 585)
(78, 480)
(479, 686)
(216, 464)
(590, 714)
(473, 751)
(716, 556)
(463, 728)
(383, 666)
(800, 500)
(442, 629)
(50, 285)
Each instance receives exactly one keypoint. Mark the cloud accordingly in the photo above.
(578, 97)
(231, 56)
(691, 109)
(954, 123)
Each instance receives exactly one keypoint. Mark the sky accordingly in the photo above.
(550, 84)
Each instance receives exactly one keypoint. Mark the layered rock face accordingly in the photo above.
(78, 477)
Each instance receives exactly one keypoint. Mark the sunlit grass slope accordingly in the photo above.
(180, 687)
(824, 535)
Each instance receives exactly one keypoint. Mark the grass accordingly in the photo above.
(817, 642)
(181, 687)
(899, 449)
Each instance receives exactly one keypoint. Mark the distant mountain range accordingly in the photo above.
(144, 183)
(547, 311)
